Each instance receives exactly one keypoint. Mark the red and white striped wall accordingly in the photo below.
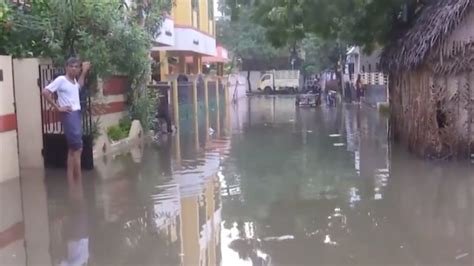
(9, 167)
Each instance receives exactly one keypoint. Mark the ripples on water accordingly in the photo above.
(286, 186)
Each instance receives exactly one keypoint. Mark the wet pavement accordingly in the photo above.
(260, 183)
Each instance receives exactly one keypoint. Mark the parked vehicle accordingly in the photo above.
(310, 98)
(280, 81)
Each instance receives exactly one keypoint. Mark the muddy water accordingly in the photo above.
(260, 183)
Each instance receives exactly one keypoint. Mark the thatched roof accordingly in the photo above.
(433, 26)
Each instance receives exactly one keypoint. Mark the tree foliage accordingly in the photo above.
(324, 28)
(105, 32)
(358, 22)
(115, 37)
(239, 33)
(320, 54)
(245, 39)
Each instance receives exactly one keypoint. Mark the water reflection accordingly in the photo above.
(75, 227)
(272, 185)
(319, 188)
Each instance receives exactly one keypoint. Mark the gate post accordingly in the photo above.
(206, 103)
(175, 103)
(195, 114)
(218, 122)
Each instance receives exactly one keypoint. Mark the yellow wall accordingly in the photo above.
(182, 13)
(190, 227)
(204, 16)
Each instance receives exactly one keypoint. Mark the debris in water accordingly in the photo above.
(279, 238)
(460, 256)
(327, 240)
(335, 135)
(339, 144)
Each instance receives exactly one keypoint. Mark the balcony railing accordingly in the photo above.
(373, 78)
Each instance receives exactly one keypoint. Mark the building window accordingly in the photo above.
(210, 9)
(195, 13)
(377, 67)
(370, 67)
(363, 69)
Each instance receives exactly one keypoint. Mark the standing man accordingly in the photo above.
(69, 106)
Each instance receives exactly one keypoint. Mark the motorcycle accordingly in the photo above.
(331, 98)
(311, 97)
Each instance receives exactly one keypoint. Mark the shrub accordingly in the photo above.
(120, 131)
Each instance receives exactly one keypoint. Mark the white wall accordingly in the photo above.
(8, 139)
(28, 102)
(167, 33)
(254, 79)
(192, 40)
(237, 86)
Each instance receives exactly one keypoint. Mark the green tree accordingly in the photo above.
(115, 38)
(320, 54)
(359, 22)
(245, 39)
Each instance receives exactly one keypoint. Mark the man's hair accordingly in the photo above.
(72, 60)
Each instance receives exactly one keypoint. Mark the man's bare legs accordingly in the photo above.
(70, 165)
(74, 165)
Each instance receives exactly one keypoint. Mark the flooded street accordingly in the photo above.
(259, 183)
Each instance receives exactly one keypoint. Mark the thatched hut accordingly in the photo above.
(432, 81)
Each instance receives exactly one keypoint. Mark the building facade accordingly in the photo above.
(187, 41)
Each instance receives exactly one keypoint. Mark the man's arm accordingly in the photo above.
(49, 98)
(48, 95)
(85, 69)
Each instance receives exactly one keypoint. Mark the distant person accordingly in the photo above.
(67, 88)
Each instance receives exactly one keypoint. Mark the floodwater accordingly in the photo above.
(259, 183)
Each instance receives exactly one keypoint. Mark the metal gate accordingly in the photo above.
(54, 141)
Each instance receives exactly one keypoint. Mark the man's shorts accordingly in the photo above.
(73, 129)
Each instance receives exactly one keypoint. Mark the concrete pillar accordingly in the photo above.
(164, 65)
(182, 69)
(218, 124)
(175, 104)
(226, 90)
(9, 164)
(197, 64)
(206, 94)
(195, 115)
(220, 69)
(27, 98)
(206, 104)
